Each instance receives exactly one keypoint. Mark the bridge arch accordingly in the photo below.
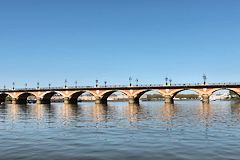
(46, 96)
(104, 96)
(73, 98)
(3, 97)
(23, 97)
(234, 90)
(174, 93)
(137, 95)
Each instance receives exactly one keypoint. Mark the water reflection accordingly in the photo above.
(205, 112)
(235, 107)
(89, 112)
(104, 113)
(12, 112)
(131, 112)
(168, 112)
(151, 130)
(69, 112)
(99, 113)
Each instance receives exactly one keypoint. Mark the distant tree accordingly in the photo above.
(8, 98)
(233, 95)
(188, 96)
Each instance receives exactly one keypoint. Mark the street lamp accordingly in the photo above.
(96, 83)
(25, 85)
(166, 79)
(136, 82)
(130, 81)
(65, 83)
(75, 84)
(204, 79)
(38, 85)
(4, 87)
(13, 85)
(49, 85)
(105, 83)
(170, 82)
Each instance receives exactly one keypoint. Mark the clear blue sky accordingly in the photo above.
(50, 40)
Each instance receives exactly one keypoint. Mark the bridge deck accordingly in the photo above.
(122, 87)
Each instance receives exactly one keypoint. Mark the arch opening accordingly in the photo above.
(52, 97)
(148, 95)
(224, 94)
(81, 96)
(5, 98)
(25, 98)
(114, 96)
(186, 94)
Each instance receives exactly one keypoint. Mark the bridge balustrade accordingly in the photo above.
(125, 86)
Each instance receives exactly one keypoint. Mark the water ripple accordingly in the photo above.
(152, 130)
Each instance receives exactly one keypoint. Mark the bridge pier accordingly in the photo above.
(168, 99)
(66, 100)
(132, 100)
(19, 101)
(205, 98)
(39, 101)
(14, 100)
(43, 101)
(99, 100)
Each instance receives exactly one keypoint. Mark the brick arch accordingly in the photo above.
(22, 97)
(104, 96)
(235, 90)
(49, 92)
(138, 94)
(73, 97)
(175, 92)
(9, 94)
(4, 95)
(109, 92)
(81, 92)
(26, 94)
(46, 96)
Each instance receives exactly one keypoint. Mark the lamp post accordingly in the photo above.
(25, 85)
(38, 85)
(96, 83)
(136, 82)
(105, 83)
(4, 87)
(166, 79)
(49, 85)
(130, 81)
(65, 83)
(170, 82)
(75, 84)
(204, 79)
(13, 85)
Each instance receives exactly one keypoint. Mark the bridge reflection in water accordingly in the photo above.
(119, 112)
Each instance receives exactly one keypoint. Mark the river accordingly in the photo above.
(187, 130)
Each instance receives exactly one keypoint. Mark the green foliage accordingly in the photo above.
(187, 96)
(233, 95)
(180, 96)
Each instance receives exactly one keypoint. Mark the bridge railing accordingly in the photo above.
(125, 86)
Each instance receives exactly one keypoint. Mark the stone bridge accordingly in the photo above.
(101, 93)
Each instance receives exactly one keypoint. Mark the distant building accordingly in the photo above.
(220, 96)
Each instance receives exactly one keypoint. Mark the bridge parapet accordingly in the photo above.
(151, 86)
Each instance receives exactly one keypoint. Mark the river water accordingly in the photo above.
(152, 130)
